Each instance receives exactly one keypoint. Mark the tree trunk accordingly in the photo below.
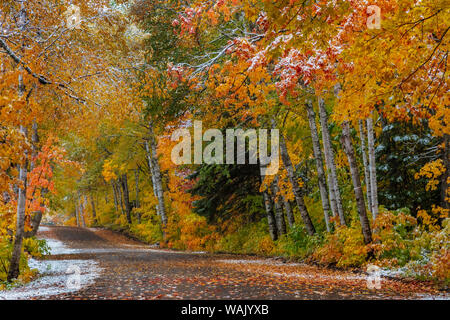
(36, 217)
(14, 266)
(269, 212)
(119, 195)
(152, 174)
(35, 222)
(126, 196)
(94, 213)
(298, 192)
(116, 198)
(138, 205)
(372, 168)
(279, 214)
(81, 210)
(445, 196)
(366, 164)
(152, 156)
(319, 164)
(289, 213)
(333, 183)
(77, 213)
(346, 141)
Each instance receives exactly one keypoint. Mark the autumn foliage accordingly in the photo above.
(89, 113)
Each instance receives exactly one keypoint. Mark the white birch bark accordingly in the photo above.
(279, 214)
(268, 205)
(365, 163)
(289, 213)
(333, 183)
(319, 164)
(157, 179)
(372, 168)
(354, 171)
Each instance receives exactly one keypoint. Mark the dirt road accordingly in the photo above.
(112, 266)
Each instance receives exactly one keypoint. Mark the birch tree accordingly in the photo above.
(333, 183)
(319, 164)
(365, 163)
(278, 205)
(372, 168)
(347, 144)
(268, 206)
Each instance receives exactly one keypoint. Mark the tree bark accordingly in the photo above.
(279, 214)
(77, 213)
(36, 217)
(269, 212)
(119, 195)
(360, 204)
(365, 163)
(138, 205)
(372, 168)
(151, 148)
(35, 223)
(14, 266)
(116, 200)
(445, 196)
(126, 196)
(289, 213)
(94, 213)
(333, 183)
(81, 210)
(298, 192)
(150, 166)
(319, 164)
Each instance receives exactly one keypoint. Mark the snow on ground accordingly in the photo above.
(58, 247)
(56, 277)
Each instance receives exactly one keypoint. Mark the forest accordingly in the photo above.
(349, 97)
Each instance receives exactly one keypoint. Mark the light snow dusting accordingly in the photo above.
(53, 279)
(58, 247)
(55, 274)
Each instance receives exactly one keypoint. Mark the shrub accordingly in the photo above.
(343, 248)
(297, 243)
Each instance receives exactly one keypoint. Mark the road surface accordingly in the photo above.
(100, 264)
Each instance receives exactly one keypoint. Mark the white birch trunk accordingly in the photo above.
(319, 164)
(156, 176)
(372, 168)
(289, 213)
(354, 171)
(14, 266)
(333, 183)
(365, 163)
(279, 214)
